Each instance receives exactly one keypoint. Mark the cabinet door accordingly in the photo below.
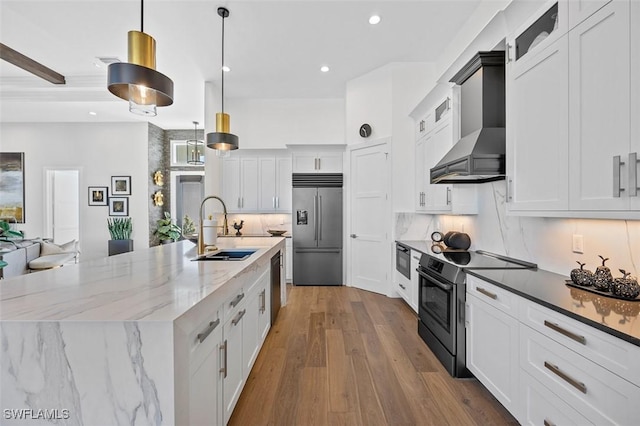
(579, 10)
(233, 377)
(635, 100)
(289, 260)
(305, 162)
(330, 162)
(231, 183)
(492, 351)
(415, 285)
(438, 196)
(264, 313)
(599, 103)
(205, 383)
(250, 345)
(421, 177)
(267, 184)
(283, 185)
(249, 184)
(537, 130)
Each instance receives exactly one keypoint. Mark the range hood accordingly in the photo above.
(479, 156)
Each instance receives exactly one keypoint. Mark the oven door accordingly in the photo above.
(403, 260)
(437, 309)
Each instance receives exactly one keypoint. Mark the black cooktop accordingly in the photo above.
(480, 259)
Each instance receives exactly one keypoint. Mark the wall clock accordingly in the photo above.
(365, 130)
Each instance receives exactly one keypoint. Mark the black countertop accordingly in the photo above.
(619, 318)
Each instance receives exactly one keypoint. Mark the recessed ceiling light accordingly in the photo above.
(375, 19)
(226, 68)
(324, 68)
(93, 113)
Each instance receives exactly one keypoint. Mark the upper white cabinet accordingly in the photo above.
(599, 111)
(572, 142)
(537, 115)
(257, 182)
(240, 183)
(441, 130)
(275, 184)
(317, 161)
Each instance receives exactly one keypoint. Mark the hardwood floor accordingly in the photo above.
(343, 356)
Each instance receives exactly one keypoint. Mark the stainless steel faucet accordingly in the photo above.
(225, 226)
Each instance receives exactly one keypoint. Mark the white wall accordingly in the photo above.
(99, 150)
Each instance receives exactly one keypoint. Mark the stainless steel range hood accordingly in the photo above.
(479, 156)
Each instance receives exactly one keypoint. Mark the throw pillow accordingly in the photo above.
(51, 248)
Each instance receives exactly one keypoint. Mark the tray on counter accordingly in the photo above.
(600, 292)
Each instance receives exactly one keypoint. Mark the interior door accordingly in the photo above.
(63, 213)
(369, 248)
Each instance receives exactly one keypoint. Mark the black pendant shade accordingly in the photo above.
(222, 141)
(121, 74)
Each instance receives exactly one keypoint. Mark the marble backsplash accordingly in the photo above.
(258, 224)
(545, 241)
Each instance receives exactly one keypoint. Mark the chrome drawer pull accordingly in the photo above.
(402, 287)
(207, 332)
(564, 376)
(548, 423)
(570, 335)
(238, 317)
(487, 293)
(237, 300)
(223, 348)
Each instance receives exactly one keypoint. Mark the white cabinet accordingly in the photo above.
(438, 196)
(537, 114)
(205, 380)
(599, 110)
(257, 321)
(492, 341)
(275, 184)
(240, 183)
(421, 174)
(579, 10)
(415, 280)
(288, 263)
(233, 363)
(308, 161)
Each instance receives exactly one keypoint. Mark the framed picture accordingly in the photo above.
(98, 195)
(12, 187)
(118, 206)
(120, 185)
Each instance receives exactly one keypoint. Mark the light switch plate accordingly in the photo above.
(578, 243)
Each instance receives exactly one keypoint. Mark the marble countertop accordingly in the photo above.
(156, 284)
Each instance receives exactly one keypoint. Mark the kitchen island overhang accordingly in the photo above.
(108, 341)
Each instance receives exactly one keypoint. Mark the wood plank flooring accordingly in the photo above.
(343, 356)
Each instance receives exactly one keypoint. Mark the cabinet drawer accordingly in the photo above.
(595, 392)
(608, 351)
(497, 297)
(542, 407)
(403, 286)
(204, 338)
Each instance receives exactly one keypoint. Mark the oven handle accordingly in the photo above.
(402, 248)
(443, 286)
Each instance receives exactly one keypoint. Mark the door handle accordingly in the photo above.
(353, 236)
(223, 349)
(315, 218)
(617, 163)
(319, 217)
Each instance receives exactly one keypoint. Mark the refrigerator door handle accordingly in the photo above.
(320, 217)
(315, 218)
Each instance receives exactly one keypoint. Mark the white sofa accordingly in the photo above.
(35, 255)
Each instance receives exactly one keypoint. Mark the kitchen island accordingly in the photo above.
(138, 338)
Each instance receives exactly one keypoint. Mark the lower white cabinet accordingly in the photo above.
(233, 364)
(415, 280)
(288, 263)
(492, 345)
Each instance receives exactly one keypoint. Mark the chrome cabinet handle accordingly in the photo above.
(509, 52)
(237, 300)
(277, 202)
(633, 174)
(569, 334)
(238, 317)
(223, 350)
(510, 189)
(212, 326)
(353, 236)
(617, 163)
(448, 196)
(564, 376)
(264, 300)
(487, 293)
(238, 202)
(402, 287)
(319, 163)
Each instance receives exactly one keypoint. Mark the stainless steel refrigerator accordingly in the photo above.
(317, 229)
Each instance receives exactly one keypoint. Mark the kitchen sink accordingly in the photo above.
(227, 255)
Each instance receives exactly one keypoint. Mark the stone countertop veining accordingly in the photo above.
(617, 317)
(155, 284)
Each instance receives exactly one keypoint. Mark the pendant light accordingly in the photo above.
(137, 81)
(195, 148)
(222, 140)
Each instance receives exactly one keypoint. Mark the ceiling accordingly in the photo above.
(274, 48)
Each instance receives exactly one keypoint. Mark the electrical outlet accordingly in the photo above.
(578, 243)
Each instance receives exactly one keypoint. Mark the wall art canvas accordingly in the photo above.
(12, 186)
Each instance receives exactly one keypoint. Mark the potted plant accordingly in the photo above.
(189, 229)
(167, 231)
(120, 229)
